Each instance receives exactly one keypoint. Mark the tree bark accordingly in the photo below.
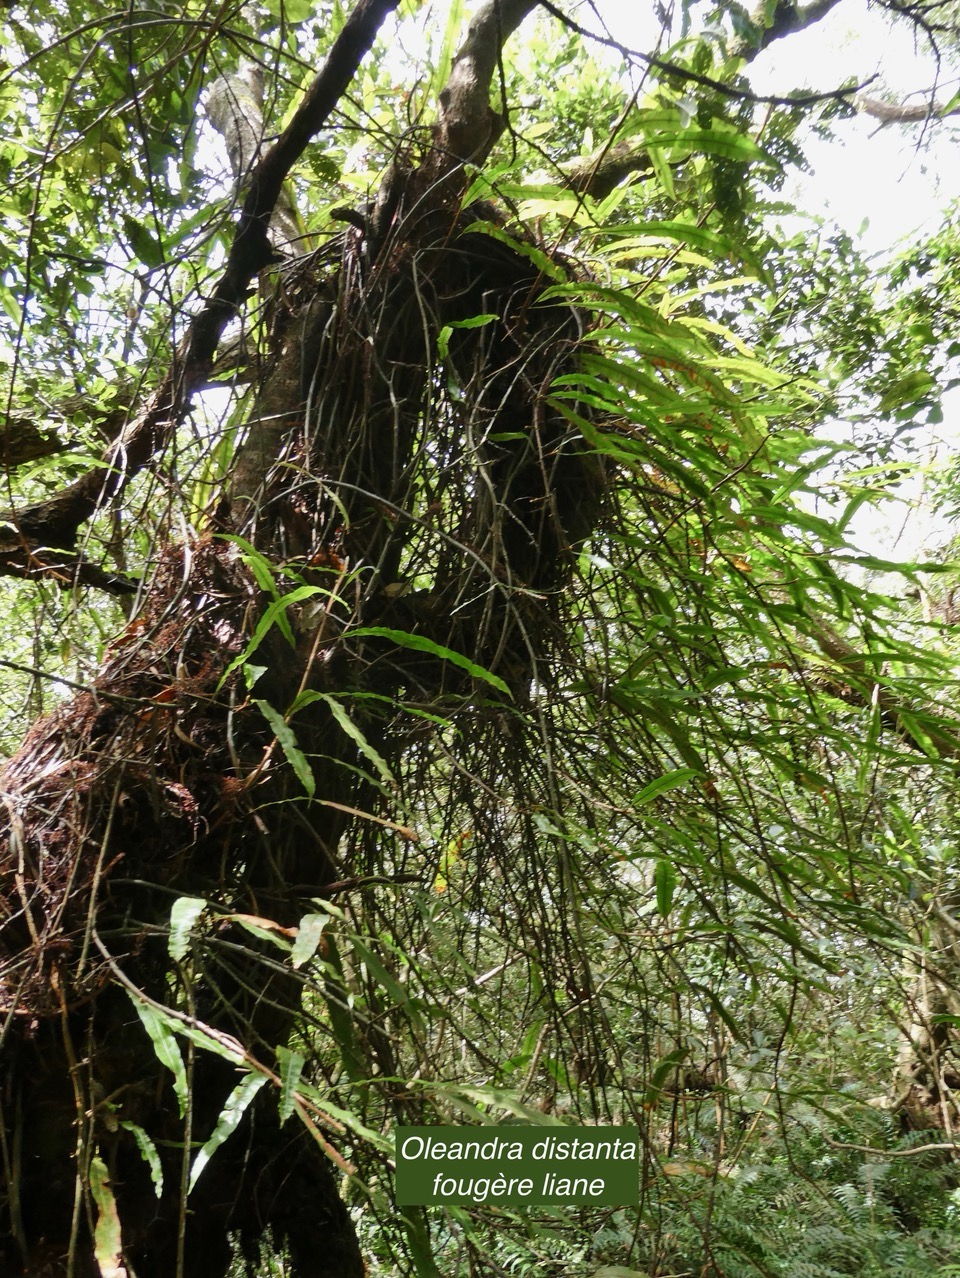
(392, 436)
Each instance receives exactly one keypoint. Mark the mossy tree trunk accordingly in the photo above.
(403, 473)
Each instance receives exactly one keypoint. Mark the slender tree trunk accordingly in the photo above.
(927, 1076)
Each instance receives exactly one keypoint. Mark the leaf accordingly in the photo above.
(184, 914)
(349, 1120)
(290, 1068)
(662, 1071)
(495, 1098)
(542, 261)
(265, 930)
(230, 1116)
(256, 561)
(216, 1041)
(165, 1047)
(274, 615)
(414, 1223)
(107, 1242)
(451, 40)
(308, 938)
(669, 781)
(443, 337)
(288, 743)
(355, 735)
(661, 166)
(729, 145)
(421, 644)
(144, 243)
(148, 1152)
(907, 390)
(665, 882)
(377, 970)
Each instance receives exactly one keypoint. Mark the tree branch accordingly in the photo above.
(708, 82)
(599, 173)
(903, 112)
(66, 569)
(865, 689)
(54, 522)
(235, 109)
(23, 440)
(468, 124)
(27, 437)
(787, 19)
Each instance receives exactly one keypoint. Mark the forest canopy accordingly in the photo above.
(454, 671)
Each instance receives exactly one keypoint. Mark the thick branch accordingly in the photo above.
(467, 127)
(55, 521)
(468, 124)
(903, 112)
(66, 569)
(599, 173)
(235, 109)
(866, 689)
(689, 76)
(787, 19)
(23, 440)
(28, 437)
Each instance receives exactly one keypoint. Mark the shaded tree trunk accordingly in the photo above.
(404, 474)
(926, 1091)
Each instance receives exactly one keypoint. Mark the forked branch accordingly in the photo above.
(55, 521)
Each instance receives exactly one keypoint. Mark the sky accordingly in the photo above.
(896, 179)
(884, 184)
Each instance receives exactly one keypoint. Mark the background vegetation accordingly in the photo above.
(468, 682)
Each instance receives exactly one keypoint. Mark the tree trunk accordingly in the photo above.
(927, 1077)
(404, 475)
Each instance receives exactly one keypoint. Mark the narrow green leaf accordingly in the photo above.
(274, 615)
(290, 1068)
(209, 1041)
(665, 882)
(381, 975)
(448, 48)
(346, 1116)
(661, 167)
(355, 735)
(165, 1047)
(732, 146)
(256, 561)
(148, 1152)
(497, 1098)
(288, 743)
(421, 644)
(230, 1116)
(669, 781)
(184, 914)
(475, 321)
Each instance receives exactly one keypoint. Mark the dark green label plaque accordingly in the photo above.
(583, 1166)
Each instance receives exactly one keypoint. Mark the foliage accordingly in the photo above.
(657, 828)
